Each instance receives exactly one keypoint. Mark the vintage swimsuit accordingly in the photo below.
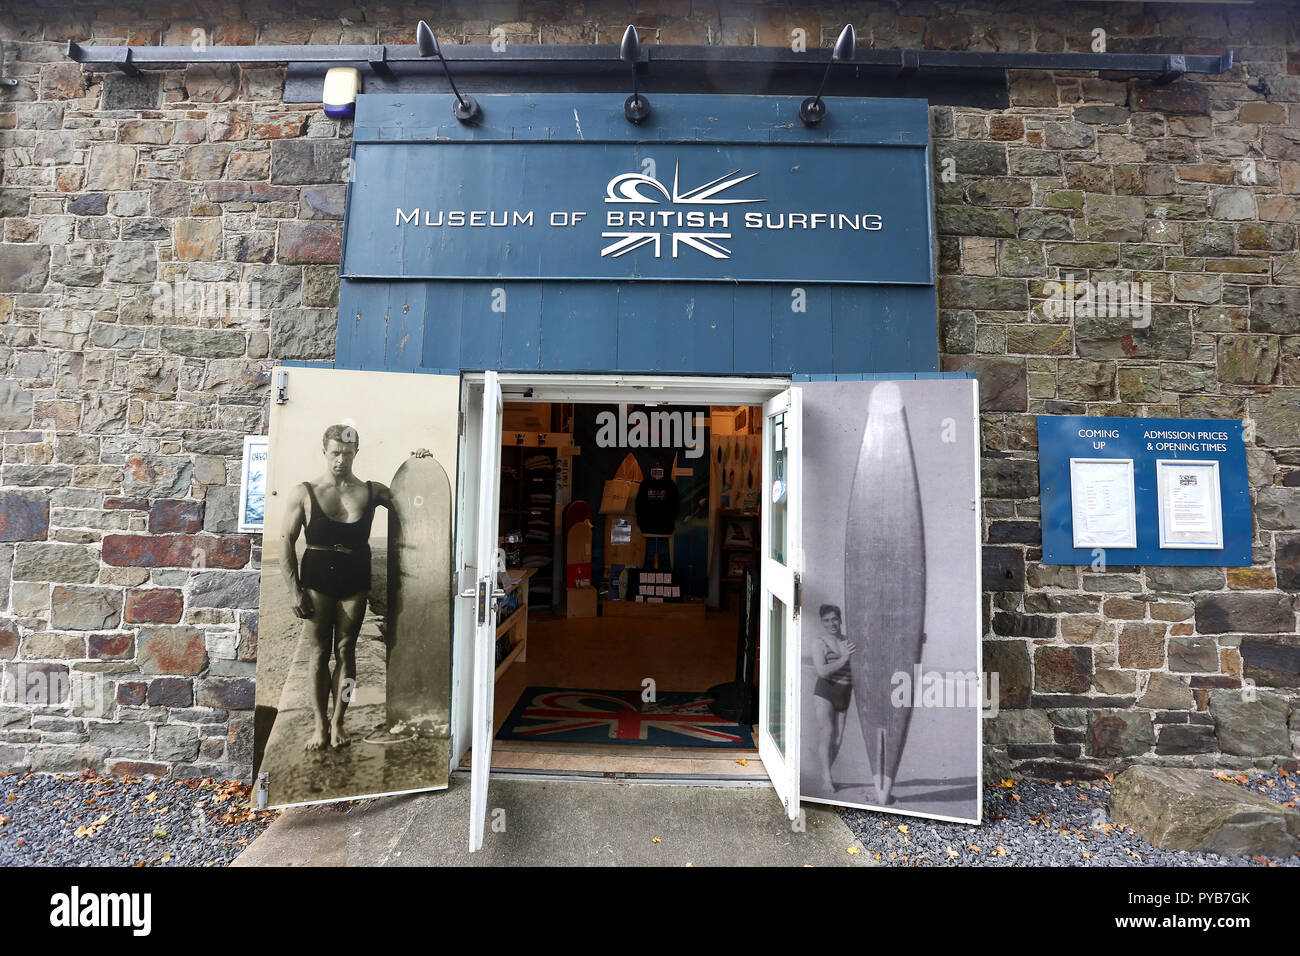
(837, 687)
(337, 559)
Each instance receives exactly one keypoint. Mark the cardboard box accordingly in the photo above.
(526, 417)
(617, 552)
(619, 496)
(580, 602)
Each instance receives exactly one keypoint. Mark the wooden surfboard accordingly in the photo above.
(884, 580)
(418, 692)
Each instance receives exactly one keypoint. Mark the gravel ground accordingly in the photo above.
(1035, 823)
(93, 821)
(51, 819)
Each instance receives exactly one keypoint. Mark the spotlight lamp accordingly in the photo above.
(636, 107)
(813, 110)
(466, 109)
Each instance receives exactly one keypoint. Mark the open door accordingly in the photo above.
(485, 607)
(357, 552)
(893, 687)
(782, 544)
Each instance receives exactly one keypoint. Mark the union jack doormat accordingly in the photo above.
(673, 719)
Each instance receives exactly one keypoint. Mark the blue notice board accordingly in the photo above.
(1145, 441)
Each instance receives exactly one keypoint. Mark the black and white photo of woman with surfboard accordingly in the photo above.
(891, 562)
(353, 664)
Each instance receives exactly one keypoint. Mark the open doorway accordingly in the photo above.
(627, 529)
(592, 649)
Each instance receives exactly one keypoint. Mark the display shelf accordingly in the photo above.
(516, 625)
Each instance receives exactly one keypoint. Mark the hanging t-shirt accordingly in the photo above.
(656, 506)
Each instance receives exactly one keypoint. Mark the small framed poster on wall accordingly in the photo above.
(252, 484)
(1101, 493)
(1191, 505)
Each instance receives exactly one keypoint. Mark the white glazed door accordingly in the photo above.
(485, 615)
(778, 609)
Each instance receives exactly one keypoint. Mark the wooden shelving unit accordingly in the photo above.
(516, 625)
(730, 582)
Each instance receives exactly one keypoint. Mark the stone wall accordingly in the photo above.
(132, 205)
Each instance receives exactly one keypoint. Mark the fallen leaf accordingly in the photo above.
(743, 762)
(150, 798)
(656, 840)
(160, 832)
(902, 828)
(1007, 784)
(973, 848)
(1000, 850)
(853, 850)
(952, 854)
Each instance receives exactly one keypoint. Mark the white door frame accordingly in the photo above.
(549, 387)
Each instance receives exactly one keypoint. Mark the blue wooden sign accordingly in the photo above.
(1211, 451)
(674, 212)
(719, 237)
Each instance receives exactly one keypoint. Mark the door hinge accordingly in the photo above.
(798, 593)
(281, 386)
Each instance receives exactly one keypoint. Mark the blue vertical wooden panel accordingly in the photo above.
(801, 340)
(890, 329)
(922, 323)
(442, 308)
(751, 329)
(404, 350)
(371, 336)
(855, 320)
(482, 307)
(884, 329)
(695, 328)
(579, 331)
(521, 327)
(352, 299)
(638, 330)
(675, 327)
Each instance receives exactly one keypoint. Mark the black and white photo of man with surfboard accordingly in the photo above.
(354, 621)
(330, 585)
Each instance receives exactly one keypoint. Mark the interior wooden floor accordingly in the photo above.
(616, 653)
